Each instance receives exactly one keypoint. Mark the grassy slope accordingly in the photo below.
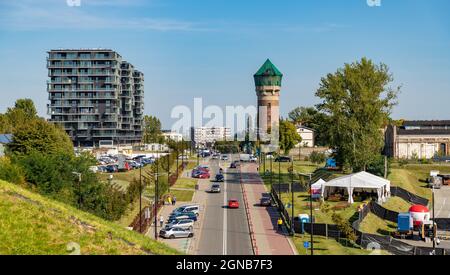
(32, 224)
(412, 177)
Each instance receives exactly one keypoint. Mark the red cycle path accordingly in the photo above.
(269, 241)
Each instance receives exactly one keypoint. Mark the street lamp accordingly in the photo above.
(434, 227)
(310, 208)
(79, 188)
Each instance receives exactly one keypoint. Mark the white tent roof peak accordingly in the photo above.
(318, 184)
(359, 180)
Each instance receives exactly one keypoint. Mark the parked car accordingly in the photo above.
(215, 188)
(219, 178)
(253, 159)
(194, 208)
(183, 157)
(233, 203)
(204, 175)
(282, 159)
(265, 201)
(112, 168)
(175, 232)
(185, 224)
(182, 216)
(224, 157)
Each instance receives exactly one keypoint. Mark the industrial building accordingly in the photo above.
(418, 139)
(96, 96)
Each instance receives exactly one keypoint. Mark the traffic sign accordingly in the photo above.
(306, 244)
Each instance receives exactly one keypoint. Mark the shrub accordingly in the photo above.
(11, 172)
(317, 157)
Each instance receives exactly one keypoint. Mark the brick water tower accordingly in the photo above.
(268, 86)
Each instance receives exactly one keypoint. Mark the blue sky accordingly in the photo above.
(211, 48)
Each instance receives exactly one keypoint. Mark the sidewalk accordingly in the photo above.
(268, 240)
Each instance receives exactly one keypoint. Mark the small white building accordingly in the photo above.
(170, 135)
(307, 135)
(4, 140)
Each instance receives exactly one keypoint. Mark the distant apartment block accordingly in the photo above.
(174, 136)
(97, 97)
(419, 139)
(203, 135)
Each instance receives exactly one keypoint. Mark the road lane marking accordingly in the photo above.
(224, 237)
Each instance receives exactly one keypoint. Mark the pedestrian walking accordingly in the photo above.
(169, 199)
(174, 201)
(280, 223)
(161, 220)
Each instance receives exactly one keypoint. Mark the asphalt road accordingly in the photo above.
(442, 202)
(225, 231)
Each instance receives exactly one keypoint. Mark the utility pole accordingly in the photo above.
(311, 213)
(293, 202)
(434, 227)
(79, 188)
(140, 199)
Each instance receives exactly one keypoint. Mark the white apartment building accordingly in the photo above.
(203, 135)
(169, 135)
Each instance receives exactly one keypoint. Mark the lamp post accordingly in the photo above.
(311, 212)
(434, 227)
(79, 188)
(140, 199)
(293, 203)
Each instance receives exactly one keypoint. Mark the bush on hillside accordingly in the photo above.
(10, 172)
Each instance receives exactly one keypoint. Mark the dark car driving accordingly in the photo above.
(283, 159)
(219, 178)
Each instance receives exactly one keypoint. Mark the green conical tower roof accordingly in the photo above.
(268, 69)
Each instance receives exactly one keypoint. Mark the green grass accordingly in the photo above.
(412, 177)
(397, 204)
(131, 213)
(182, 195)
(302, 206)
(185, 183)
(32, 224)
(324, 246)
(374, 225)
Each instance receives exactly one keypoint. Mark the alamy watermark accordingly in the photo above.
(374, 3)
(73, 3)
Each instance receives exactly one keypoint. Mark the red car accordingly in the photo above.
(204, 176)
(233, 203)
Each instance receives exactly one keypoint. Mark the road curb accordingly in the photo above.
(249, 219)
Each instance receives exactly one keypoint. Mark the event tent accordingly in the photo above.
(316, 189)
(362, 181)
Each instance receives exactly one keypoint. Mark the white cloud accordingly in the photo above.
(56, 14)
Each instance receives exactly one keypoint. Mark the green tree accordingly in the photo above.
(27, 106)
(40, 135)
(312, 118)
(358, 101)
(289, 137)
(152, 130)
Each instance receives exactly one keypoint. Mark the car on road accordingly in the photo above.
(265, 201)
(282, 159)
(175, 232)
(224, 157)
(194, 208)
(233, 203)
(215, 188)
(253, 159)
(204, 175)
(182, 216)
(185, 224)
(219, 178)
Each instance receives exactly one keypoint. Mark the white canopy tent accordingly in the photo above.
(318, 184)
(363, 182)
(316, 189)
